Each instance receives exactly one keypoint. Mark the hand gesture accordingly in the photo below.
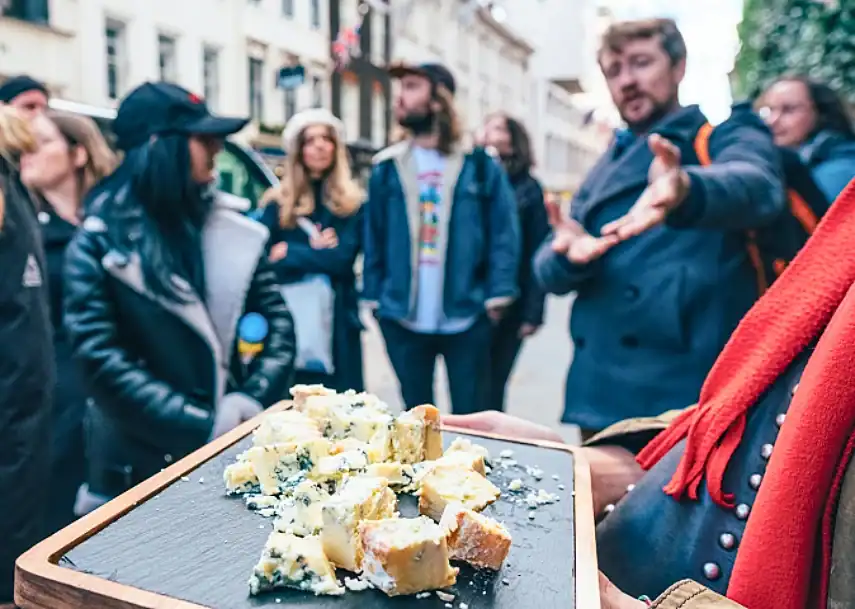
(527, 330)
(579, 246)
(278, 252)
(612, 598)
(326, 239)
(668, 187)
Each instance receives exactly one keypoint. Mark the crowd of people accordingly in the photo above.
(142, 315)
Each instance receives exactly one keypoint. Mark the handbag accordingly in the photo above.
(312, 301)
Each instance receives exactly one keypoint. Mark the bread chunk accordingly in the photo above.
(474, 538)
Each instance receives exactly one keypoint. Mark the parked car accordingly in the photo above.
(241, 171)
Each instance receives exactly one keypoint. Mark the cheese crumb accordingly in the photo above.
(445, 596)
(201, 480)
(421, 595)
(506, 454)
(555, 477)
(185, 478)
(535, 472)
(515, 485)
(356, 584)
(531, 515)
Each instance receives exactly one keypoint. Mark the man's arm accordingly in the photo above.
(505, 242)
(374, 261)
(743, 188)
(556, 274)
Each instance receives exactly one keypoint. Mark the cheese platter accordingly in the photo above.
(301, 509)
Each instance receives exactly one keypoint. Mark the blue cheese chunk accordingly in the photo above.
(447, 484)
(240, 478)
(277, 464)
(299, 511)
(405, 555)
(336, 467)
(285, 427)
(417, 436)
(360, 498)
(398, 475)
(464, 445)
(288, 561)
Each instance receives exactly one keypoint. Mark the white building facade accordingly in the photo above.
(229, 51)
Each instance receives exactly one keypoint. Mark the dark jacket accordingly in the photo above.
(831, 158)
(26, 379)
(337, 264)
(158, 371)
(534, 228)
(479, 236)
(652, 314)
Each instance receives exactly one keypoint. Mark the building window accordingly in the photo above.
(211, 76)
(290, 103)
(256, 88)
(288, 8)
(35, 11)
(114, 32)
(167, 58)
(316, 14)
(317, 92)
(378, 39)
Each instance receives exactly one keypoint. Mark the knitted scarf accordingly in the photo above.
(785, 554)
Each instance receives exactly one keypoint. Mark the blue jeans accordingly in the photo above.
(467, 360)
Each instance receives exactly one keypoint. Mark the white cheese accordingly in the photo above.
(475, 538)
(417, 436)
(276, 464)
(464, 445)
(285, 427)
(337, 466)
(240, 478)
(288, 561)
(299, 512)
(446, 484)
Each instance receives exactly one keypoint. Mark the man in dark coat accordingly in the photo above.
(26, 364)
(657, 248)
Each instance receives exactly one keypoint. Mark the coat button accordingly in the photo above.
(712, 571)
(727, 541)
(631, 293)
(742, 511)
(766, 451)
(579, 342)
(779, 420)
(629, 341)
(754, 481)
(609, 508)
(167, 458)
(44, 217)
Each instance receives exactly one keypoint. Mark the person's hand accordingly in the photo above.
(612, 598)
(580, 247)
(613, 469)
(326, 239)
(667, 189)
(278, 252)
(496, 313)
(527, 330)
(502, 424)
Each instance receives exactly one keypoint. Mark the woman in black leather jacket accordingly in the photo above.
(157, 283)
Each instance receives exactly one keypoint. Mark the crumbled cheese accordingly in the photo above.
(560, 487)
(506, 454)
(555, 477)
(185, 478)
(356, 584)
(506, 582)
(531, 515)
(534, 472)
(506, 463)
(515, 485)
(421, 595)
(540, 498)
(445, 596)
(201, 480)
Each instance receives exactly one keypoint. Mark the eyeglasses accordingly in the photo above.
(767, 112)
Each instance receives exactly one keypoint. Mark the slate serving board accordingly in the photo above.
(176, 541)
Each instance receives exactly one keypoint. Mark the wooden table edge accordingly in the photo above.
(37, 568)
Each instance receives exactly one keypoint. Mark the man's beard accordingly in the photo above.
(660, 111)
(419, 123)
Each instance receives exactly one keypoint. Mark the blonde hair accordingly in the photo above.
(294, 194)
(16, 138)
(82, 131)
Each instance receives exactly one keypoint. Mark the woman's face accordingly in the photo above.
(54, 161)
(318, 149)
(789, 112)
(496, 135)
(203, 153)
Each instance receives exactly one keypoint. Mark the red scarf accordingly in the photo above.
(785, 555)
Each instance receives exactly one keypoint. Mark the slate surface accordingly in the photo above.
(194, 543)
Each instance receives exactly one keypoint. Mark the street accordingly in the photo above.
(536, 389)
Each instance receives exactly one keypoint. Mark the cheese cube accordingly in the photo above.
(446, 484)
(398, 475)
(417, 435)
(405, 555)
(360, 498)
(285, 427)
(240, 478)
(474, 538)
(299, 512)
(335, 467)
(288, 561)
(301, 393)
(276, 464)
(464, 445)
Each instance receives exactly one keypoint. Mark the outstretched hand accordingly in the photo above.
(668, 186)
(578, 245)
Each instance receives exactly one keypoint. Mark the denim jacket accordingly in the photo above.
(479, 236)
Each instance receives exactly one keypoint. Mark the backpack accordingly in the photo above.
(772, 248)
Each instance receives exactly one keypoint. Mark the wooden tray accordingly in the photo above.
(177, 541)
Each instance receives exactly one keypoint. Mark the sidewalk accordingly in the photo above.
(536, 389)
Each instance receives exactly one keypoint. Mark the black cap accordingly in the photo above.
(437, 73)
(161, 108)
(17, 85)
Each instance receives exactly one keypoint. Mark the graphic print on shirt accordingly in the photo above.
(429, 201)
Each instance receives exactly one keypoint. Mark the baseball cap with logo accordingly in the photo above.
(161, 108)
(437, 73)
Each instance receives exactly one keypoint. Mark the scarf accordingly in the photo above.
(785, 554)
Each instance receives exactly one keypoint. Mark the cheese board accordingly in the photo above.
(178, 541)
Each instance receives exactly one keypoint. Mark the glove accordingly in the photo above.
(234, 409)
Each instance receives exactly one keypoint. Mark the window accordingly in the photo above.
(288, 8)
(316, 14)
(290, 103)
(167, 58)
(350, 106)
(378, 39)
(114, 32)
(211, 76)
(317, 92)
(256, 88)
(35, 11)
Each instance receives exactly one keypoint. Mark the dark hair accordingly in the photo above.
(665, 30)
(153, 207)
(831, 112)
(521, 158)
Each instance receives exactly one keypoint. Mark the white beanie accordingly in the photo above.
(307, 118)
